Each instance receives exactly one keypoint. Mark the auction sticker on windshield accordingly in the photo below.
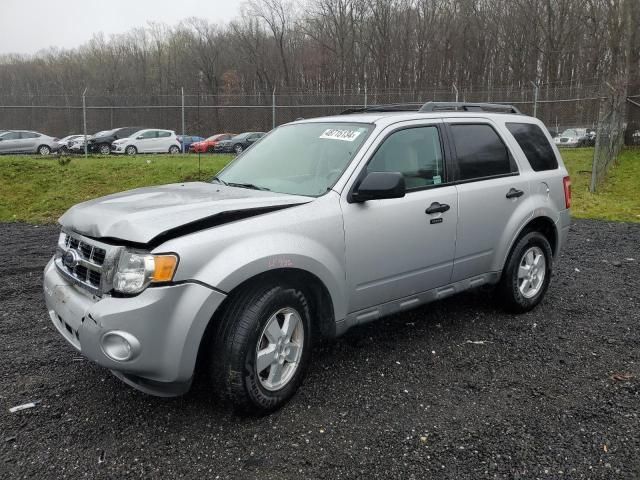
(337, 134)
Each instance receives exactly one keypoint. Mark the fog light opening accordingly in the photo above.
(120, 346)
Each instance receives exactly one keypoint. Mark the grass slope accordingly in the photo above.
(39, 190)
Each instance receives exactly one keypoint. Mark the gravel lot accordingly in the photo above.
(457, 389)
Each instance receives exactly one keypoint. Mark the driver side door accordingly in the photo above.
(395, 248)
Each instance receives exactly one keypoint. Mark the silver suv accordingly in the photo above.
(323, 224)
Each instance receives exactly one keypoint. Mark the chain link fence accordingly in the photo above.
(559, 107)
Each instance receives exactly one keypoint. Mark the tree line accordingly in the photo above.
(339, 47)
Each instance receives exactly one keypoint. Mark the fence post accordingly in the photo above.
(365, 89)
(84, 121)
(535, 99)
(183, 129)
(273, 108)
(455, 89)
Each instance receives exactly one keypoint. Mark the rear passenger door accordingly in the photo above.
(490, 189)
(164, 141)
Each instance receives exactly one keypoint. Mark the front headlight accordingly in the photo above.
(137, 270)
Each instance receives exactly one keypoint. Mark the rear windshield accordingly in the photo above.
(535, 146)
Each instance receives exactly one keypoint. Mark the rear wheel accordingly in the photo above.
(527, 273)
(44, 150)
(173, 150)
(211, 150)
(262, 348)
(131, 150)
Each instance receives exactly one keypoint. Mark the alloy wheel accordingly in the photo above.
(279, 349)
(531, 272)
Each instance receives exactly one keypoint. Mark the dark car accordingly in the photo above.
(239, 143)
(187, 140)
(101, 141)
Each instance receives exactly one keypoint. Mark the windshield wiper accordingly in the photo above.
(219, 180)
(247, 185)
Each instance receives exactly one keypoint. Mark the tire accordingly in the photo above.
(104, 149)
(44, 150)
(522, 290)
(211, 150)
(131, 150)
(243, 333)
(238, 149)
(174, 150)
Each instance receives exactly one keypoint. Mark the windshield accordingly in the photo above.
(570, 133)
(214, 137)
(300, 159)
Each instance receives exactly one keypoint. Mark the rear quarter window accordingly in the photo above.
(535, 146)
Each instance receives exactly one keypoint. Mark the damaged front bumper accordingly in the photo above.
(150, 341)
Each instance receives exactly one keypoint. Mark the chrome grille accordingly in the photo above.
(85, 262)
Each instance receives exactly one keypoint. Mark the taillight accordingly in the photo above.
(566, 182)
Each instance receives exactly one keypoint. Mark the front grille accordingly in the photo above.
(87, 263)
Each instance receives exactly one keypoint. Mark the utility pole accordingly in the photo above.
(183, 129)
(455, 89)
(535, 98)
(273, 108)
(84, 121)
(365, 88)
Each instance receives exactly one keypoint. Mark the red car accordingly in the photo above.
(210, 143)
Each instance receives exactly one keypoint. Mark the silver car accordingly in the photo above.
(325, 224)
(26, 141)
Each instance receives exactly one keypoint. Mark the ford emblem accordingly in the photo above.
(71, 259)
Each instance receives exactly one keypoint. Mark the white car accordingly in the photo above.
(148, 141)
(572, 137)
(62, 145)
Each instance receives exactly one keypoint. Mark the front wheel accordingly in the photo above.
(238, 149)
(173, 150)
(131, 150)
(527, 273)
(104, 149)
(44, 150)
(263, 347)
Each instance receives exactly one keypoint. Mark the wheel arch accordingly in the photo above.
(313, 288)
(543, 224)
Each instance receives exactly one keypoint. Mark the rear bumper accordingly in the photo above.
(167, 324)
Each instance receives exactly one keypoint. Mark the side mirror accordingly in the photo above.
(379, 186)
(140, 137)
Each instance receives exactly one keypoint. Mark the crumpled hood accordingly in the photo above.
(143, 214)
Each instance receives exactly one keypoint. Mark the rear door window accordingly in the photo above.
(535, 145)
(480, 152)
(164, 134)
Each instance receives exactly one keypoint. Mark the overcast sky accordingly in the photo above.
(27, 26)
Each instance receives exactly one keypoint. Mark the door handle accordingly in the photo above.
(514, 193)
(436, 207)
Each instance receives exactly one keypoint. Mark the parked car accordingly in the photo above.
(62, 145)
(572, 137)
(148, 141)
(101, 141)
(635, 137)
(187, 140)
(210, 143)
(26, 141)
(325, 224)
(239, 143)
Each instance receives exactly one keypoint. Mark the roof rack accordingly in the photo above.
(394, 107)
(468, 107)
